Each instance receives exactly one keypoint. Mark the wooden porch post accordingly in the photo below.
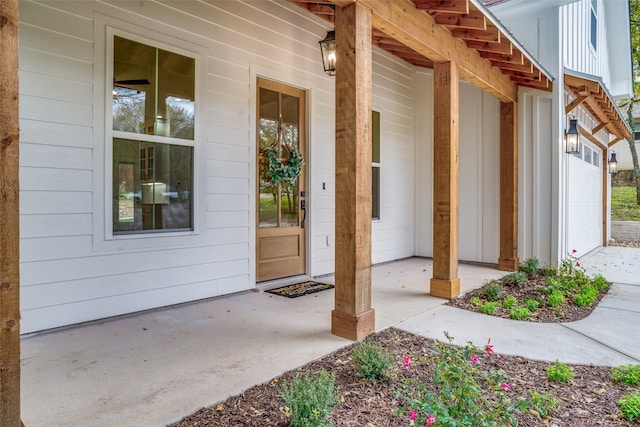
(508, 259)
(9, 218)
(445, 282)
(353, 318)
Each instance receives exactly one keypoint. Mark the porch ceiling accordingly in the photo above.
(486, 44)
(593, 95)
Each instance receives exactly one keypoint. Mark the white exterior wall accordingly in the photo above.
(479, 180)
(71, 271)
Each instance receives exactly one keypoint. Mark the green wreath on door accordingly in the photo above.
(283, 171)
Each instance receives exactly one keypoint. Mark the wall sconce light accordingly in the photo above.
(613, 163)
(328, 50)
(572, 137)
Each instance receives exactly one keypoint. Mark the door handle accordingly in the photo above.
(303, 206)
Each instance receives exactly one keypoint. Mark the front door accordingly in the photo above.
(281, 206)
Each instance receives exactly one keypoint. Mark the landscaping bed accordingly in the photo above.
(589, 399)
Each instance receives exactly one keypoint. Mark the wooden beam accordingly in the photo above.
(615, 141)
(508, 259)
(490, 35)
(504, 46)
(9, 218)
(446, 110)
(449, 6)
(515, 58)
(353, 318)
(574, 104)
(401, 20)
(599, 127)
(474, 20)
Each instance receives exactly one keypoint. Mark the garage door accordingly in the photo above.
(584, 209)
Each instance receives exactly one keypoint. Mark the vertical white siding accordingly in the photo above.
(70, 273)
(479, 185)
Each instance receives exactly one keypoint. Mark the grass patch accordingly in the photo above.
(623, 204)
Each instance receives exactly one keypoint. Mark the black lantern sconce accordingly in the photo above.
(328, 49)
(613, 163)
(572, 137)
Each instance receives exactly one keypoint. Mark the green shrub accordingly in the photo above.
(627, 374)
(517, 278)
(493, 291)
(461, 393)
(600, 283)
(630, 405)
(509, 302)
(530, 266)
(520, 313)
(544, 404)
(476, 301)
(555, 297)
(489, 307)
(531, 303)
(585, 296)
(560, 372)
(373, 362)
(309, 397)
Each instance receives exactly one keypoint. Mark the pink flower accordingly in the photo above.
(407, 361)
(431, 419)
(501, 357)
(577, 264)
(412, 414)
(488, 348)
(474, 360)
(505, 386)
(574, 251)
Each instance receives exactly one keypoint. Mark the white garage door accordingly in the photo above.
(584, 209)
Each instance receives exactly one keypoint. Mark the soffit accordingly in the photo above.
(479, 30)
(590, 92)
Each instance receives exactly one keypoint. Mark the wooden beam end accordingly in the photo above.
(353, 326)
(442, 288)
(508, 264)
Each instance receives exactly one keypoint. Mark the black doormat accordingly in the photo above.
(299, 289)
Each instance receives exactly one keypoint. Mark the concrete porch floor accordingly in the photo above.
(154, 368)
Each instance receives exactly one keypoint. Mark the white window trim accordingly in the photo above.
(104, 239)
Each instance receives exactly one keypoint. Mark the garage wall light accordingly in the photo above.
(613, 163)
(572, 137)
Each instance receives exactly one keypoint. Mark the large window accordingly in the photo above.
(153, 132)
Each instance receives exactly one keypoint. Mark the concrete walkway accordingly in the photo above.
(610, 336)
(153, 368)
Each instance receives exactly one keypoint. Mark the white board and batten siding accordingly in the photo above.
(479, 180)
(71, 270)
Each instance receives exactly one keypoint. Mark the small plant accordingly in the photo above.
(461, 394)
(531, 303)
(630, 405)
(509, 302)
(309, 397)
(544, 404)
(600, 283)
(520, 313)
(530, 266)
(585, 296)
(555, 298)
(493, 291)
(627, 374)
(560, 372)
(517, 278)
(489, 307)
(373, 362)
(476, 301)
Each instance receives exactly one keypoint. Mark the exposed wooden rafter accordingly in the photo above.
(422, 32)
(593, 96)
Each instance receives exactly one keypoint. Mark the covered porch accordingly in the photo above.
(156, 367)
(457, 39)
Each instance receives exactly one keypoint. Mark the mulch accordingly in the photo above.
(589, 400)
